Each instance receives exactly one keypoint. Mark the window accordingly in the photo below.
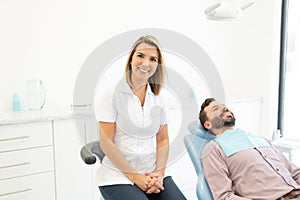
(289, 97)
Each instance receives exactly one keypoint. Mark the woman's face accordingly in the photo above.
(144, 62)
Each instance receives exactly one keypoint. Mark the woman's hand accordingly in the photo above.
(156, 184)
(143, 181)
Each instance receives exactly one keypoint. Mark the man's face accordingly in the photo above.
(219, 115)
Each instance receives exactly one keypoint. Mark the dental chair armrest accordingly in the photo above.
(87, 156)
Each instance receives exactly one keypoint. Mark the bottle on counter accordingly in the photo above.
(16, 102)
(276, 135)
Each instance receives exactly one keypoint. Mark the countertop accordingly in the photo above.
(37, 116)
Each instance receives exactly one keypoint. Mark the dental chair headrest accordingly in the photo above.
(196, 128)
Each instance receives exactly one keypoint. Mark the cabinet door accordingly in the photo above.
(35, 187)
(23, 136)
(74, 179)
(26, 162)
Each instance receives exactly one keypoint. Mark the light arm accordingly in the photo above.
(162, 152)
(162, 149)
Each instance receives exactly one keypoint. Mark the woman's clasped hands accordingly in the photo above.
(150, 182)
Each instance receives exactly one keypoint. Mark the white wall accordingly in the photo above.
(50, 39)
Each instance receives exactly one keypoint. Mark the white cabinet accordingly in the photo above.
(33, 187)
(74, 179)
(26, 162)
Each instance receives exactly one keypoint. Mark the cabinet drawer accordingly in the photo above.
(24, 162)
(35, 187)
(21, 136)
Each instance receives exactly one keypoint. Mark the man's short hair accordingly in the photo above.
(202, 114)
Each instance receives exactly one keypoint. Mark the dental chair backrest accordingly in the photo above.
(194, 142)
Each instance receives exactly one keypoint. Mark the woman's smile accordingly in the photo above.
(144, 70)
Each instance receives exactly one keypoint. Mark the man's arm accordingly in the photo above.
(217, 174)
(293, 169)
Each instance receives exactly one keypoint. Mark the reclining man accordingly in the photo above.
(238, 165)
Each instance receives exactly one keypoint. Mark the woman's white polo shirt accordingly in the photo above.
(136, 128)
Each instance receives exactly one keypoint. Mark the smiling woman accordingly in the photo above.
(131, 117)
(146, 57)
(144, 63)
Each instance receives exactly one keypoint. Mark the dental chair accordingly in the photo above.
(194, 143)
(91, 153)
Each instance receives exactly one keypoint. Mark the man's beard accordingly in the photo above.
(217, 122)
(230, 122)
(220, 122)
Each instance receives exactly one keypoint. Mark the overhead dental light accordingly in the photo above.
(225, 10)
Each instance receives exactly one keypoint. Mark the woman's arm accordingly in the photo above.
(162, 152)
(162, 149)
(107, 133)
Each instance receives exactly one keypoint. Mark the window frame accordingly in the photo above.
(282, 66)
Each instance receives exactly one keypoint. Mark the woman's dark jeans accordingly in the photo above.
(133, 192)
